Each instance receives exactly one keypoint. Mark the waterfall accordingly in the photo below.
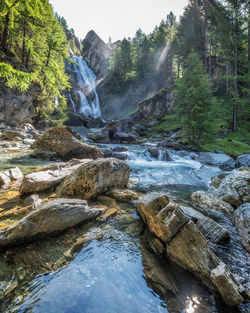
(83, 97)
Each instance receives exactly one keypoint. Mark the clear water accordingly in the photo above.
(109, 275)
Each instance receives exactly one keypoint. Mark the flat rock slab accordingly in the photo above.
(50, 176)
(94, 178)
(51, 217)
(209, 228)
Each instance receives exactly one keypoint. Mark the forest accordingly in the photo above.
(203, 59)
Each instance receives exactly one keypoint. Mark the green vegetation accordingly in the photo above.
(205, 58)
(33, 49)
(195, 97)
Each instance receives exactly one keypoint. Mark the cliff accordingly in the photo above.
(96, 53)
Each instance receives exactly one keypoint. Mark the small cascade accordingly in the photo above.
(83, 97)
(160, 155)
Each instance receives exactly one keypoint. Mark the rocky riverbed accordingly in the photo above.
(128, 228)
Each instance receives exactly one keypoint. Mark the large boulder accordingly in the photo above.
(243, 160)
(234, 188)
(208, 201)
(122, 137)
(222, 160)
(186, 246)
(50, 176)
(95, 177)
(66, 146)
(99, 135)
(242, 223)
(51, 217)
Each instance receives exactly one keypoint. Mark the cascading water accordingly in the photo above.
(83, 97)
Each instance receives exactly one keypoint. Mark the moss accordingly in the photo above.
(157, 96)
(227, 145)
(170, 122)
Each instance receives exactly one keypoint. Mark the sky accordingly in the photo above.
(115, 18)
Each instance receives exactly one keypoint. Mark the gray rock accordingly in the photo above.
(120, 155)
(50, 176)
(51, 217)
(216, 159)
(65, 145)
(107, 152)
(209, 228)
(234, 188)
(122, 137)
(33, 200)
(8, 176)
(243, 160)
(99, 135)
(187, 247)
(225, 283)
(95, 177)
(96, 53)
(242, 223)
(208, 201)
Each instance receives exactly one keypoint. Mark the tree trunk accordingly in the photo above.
(210, 58)
(24, 42)
(227, 80)
(6, 31)
(48, 57)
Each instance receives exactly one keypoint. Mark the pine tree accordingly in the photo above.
(194, 95)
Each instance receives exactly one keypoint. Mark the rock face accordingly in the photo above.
(95, 177)
(96, 53)
(242, 223)
(99, 135)
(187, 247)
(7, 177)
(234, 188)
(222, 160)
(156, 105)
(65, 145)
(53, 216)
(209, 201)
(50, 176)
(243, 160)
(209, 228)
(16, 107)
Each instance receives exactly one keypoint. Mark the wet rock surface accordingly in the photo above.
(242, 223)
(209, 201)
(187, 247)
(51, 217)
(50, 176)
(95, 177)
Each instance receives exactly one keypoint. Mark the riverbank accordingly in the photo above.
(113, 252)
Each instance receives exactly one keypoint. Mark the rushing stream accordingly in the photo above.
(110, 274)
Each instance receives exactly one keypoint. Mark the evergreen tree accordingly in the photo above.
(194, 95)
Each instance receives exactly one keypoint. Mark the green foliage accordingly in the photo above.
(194, 95)
(15, 78)
(37, 43)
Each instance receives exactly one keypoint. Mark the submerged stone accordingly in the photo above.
(51, 217)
